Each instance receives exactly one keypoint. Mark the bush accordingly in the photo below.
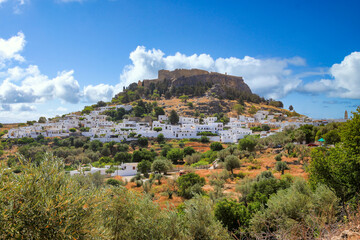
(114, 182)
(294, 212)
(72, 130)
(160, 138)
(144, 167)
(194, 158)
(232, 162)
(157, 129)
(188, 151)
(247, 144)
(281, 167)
(190, 184)
(200, 163)
(204, 139)
(161, 165)
(44, 202)
(206, 134)
(278, 157)
(143, 142)
(232, 215)
(175, 155)
(216, 146)
(122, 157)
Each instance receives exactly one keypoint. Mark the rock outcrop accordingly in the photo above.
(193, 77)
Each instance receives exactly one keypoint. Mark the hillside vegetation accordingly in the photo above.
(248, 197)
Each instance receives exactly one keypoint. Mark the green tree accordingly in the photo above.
(42, 120)
(161, 165)
(232, 215)
(265, 127)
(296, 212)
(143, 142)
(139, 111)
(278, 157)
(122, 157)
(216, 146)
(158, 111)
(113, 182)
(87, 110)
(339, 167)
(184, 98)
(190, 184)
(175, 155)
(332, 137)
(174, 117)
(239, 109)
(188, 151)
(289, 148)
(157, 129)
(232, 162)
(252, 109)
(248, 143)
(144, 167)
(43, 201)
(160, 138)
(281, 167)
(291, 107)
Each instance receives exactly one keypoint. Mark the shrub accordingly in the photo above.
(143, 141)
(231, 214)
(281, 167)
(204, 139)
(161, 165)
(144, 167)
(160, 138)
(216, 146)
(190, 184)
(188, 151)
(294, 212)
(175, 155)
(72, 129)
(43, 201)
(232, 162)
(122, 157)
(194, 158)
(157, 129)
(114, 182)
(278, 157)
(200, 163)
(248, 143)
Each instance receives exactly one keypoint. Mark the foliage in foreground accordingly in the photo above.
(42, 202)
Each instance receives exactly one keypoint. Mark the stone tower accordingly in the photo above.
(346, 115)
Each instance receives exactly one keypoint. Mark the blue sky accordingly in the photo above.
(58, 55)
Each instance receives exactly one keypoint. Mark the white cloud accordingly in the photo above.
(269, 77)
(10, 48)
(99, 92)
(36, 87)
(345, 82)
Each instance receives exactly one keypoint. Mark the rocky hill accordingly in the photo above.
(190, 82)
(218, 83)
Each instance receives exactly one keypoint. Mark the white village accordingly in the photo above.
(97, 126)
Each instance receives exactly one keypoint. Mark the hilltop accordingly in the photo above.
(194, 91)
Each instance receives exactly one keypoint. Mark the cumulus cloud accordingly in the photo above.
(10, 48)
(99, 92)
(268, 77)
(345, 82)
(36, 87)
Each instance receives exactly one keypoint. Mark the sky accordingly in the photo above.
(56, 56)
